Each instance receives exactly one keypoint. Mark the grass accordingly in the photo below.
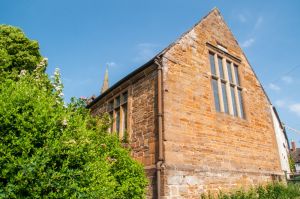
(297, 178)
(270, 191)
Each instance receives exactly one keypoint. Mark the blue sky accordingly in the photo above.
(81, 37)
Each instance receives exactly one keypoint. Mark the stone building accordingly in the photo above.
(295, 153)
(282, 142)
(196, 116)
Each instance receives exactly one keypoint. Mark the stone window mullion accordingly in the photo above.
(232, 73)
(235, 90)
(229, 101)
(121, 133)
(219, 84)
(123, 113)
(114, 119)
(237, 101)
(232, 93)
(236, 84)
(129, 111)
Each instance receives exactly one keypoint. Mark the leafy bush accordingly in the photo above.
(51, 150)
(292, 163)
(17, 52)
(270, 191)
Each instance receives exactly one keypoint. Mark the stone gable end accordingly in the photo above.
(205, 149)
(202, 149)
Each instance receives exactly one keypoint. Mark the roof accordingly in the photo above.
(141, 68)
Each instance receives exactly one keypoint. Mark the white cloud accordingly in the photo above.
(145, 51)
(280, 103)
(242, 18)
(248, 43)
(258, 22)
(111, 64)
(274, 87)
(295, 108)
(287, 79)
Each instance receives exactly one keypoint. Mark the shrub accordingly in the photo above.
(270, 191)
(50, 150)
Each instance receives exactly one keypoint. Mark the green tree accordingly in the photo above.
(292, 164)
(17, 52)
(51, 150)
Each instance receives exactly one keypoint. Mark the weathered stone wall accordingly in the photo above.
(190, 182)
(205, 149)
(142, 89)
(143, 134)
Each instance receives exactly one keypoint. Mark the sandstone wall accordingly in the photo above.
(205, 149)
(142, 89)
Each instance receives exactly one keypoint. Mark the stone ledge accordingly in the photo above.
(198, 169)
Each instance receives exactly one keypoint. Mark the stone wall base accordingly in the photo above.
(186, 183)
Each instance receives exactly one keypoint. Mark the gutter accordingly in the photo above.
(159, 164)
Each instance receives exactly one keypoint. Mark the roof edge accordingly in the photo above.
(189, 30)
(136, 71)
(161, 53)
(281, 124)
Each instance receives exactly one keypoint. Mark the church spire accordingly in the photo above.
(105, 85)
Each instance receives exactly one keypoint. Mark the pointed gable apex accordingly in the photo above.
(213, 15)
(216, 32)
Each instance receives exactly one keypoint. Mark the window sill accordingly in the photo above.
(226, 115)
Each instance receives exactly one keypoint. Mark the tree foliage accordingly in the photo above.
(51, 150)
(292, 163)
(17, 52)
